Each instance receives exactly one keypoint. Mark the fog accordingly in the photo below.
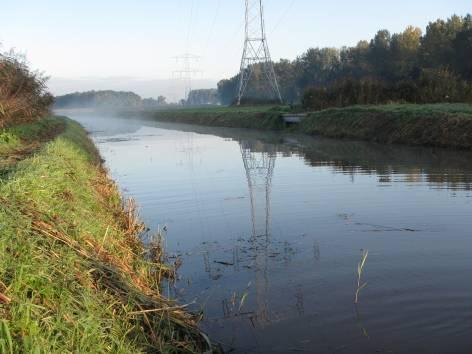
(172, 89)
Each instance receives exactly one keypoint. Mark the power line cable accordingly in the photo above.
(282, 17)
(190, 23)
(212, 27)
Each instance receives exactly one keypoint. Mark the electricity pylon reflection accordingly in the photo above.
(259, 164)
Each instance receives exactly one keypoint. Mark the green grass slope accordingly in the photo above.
(73, 275)
(442, 125)
(258, 117)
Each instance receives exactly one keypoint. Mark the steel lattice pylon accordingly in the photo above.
(256, 50)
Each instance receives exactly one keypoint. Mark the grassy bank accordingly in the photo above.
(74, 276)
(258, 117)
(442, 125)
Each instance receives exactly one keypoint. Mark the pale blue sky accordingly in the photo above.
(138, 38)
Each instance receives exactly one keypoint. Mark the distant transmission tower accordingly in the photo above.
(256, 50)
(187, 72)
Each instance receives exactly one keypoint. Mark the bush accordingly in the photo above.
(23, 94)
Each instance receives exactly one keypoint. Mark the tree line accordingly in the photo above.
(107, 99)
(23, 92)
(402, 67)
(202, 97)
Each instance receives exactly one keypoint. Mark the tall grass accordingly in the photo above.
(360, 269)
(73, 267)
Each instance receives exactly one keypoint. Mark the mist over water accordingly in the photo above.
(172, 89)
(270, 229)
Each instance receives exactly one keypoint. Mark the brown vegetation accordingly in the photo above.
(23, 94)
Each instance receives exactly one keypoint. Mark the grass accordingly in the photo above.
(225, 109)
(22, 140)
(20, 137)
(439, 125)
(254, 117)
(360, 270)
(74, 276)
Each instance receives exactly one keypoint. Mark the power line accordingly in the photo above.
(212, 27)
(190, 23)
(283, 16)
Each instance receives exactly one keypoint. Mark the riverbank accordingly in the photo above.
(440, 125)
(74, 275)
(257, 117)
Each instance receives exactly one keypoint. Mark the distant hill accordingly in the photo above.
(107, 99)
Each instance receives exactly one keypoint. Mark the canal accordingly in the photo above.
(270, 227)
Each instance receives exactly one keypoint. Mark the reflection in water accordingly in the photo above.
(259, 166)
(360, 322)
(251, 239)
(316, 251)
(299, 296)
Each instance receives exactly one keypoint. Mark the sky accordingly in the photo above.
(120, 43)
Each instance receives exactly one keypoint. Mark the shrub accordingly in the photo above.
(23, 93)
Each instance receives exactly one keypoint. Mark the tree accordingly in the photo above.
(405, 47)
(437, 43)
(380, 55)
(399, 67)
(462, 46)
(203, 97)
(317, 67)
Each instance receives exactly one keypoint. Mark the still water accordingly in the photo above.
(270, 228)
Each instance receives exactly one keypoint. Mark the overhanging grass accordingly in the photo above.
(73, 276)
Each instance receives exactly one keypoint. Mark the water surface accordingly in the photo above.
(270, 228)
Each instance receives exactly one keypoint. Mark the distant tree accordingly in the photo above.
(354, 61)
(99, 99)
(161, 100)
(286, 76)
(437, 43)
(399, 67)
(227, 90)
(404, 49)
(380, 55)
(462, 46)
(203, 97)
(317, 66)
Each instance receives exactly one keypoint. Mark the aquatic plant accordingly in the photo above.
(360, 269)
(234, 305)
